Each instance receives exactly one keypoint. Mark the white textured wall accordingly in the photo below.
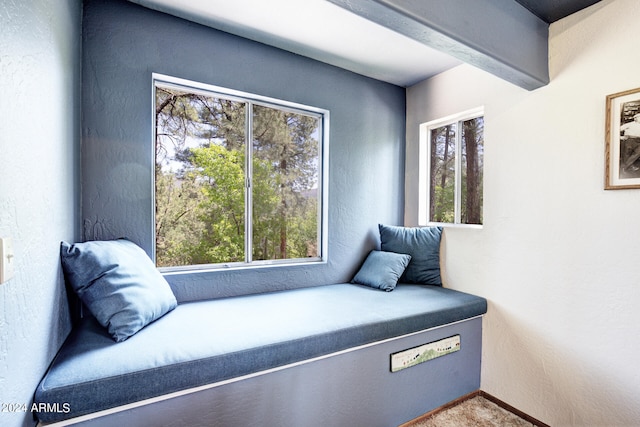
(39, 134)
(558, 257)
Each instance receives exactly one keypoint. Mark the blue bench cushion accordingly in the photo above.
(205, 342)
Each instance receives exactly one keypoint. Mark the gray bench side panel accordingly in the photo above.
(353, 388)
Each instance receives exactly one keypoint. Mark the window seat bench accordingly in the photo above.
(321, 353)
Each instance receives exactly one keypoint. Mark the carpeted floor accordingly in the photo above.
(474, 412)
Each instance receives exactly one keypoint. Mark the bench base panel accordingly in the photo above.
(354, 387)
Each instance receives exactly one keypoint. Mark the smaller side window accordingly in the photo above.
(451, 169)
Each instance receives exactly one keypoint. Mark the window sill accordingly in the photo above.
(238, 266)
(450, 225)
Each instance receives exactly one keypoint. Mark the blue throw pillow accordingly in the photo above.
(423, 244)
(118, 283)
(382, 270)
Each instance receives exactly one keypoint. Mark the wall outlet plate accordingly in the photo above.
(6, 259)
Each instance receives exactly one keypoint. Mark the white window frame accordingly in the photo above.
(425, 167)
(323, 182)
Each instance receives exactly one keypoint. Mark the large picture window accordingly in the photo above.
(451, 169)
(239, 178)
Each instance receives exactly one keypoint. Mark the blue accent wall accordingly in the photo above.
(124, 43)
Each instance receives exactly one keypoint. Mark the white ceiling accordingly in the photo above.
(320, 30)
(326, 32)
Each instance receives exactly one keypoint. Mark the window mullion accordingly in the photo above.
(248, 188)
(424, 178)
(458, 175)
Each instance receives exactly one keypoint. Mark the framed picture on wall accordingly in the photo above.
(622, 156)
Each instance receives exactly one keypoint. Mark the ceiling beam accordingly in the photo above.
(498, 36)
